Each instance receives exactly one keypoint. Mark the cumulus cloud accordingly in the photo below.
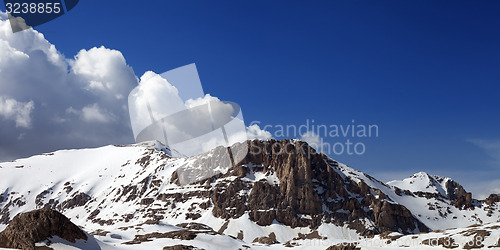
(311, 138)
(103, 72)
(201, 101)
(49, 102)
(255, 132)
(93, 113)
(314, 140)
(153, 99)
(90, 113)
(191, 127)
(17, 111)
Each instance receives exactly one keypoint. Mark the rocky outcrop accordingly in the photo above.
(492, 199)
(294, 196)
(310, 191)
(266, 240)
(457, 194)
(390, 217)
(182, 247)
(464, 201)
(39, 225)
(183, 234)
(345, 246)
(194, 226)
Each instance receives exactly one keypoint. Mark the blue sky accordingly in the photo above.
(426, 72)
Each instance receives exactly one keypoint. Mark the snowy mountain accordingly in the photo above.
(425, 183)
(133, 197)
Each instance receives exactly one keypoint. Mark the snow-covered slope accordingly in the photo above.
(438, 202)
(422, 182)
(124, 194)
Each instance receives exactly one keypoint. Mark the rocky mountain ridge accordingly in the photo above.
(281, 187)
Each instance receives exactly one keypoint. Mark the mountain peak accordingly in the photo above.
(157, 145)
(422, 182)
(433, 185)
(420, 175)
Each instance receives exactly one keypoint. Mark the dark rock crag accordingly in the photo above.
(38, 225)
(310, 192)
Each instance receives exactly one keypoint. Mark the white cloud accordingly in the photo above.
(103, 72)
(201, 101)
(190, 127)
(93, 113)
(80, 101)
(314, 140)
(311, 138)
(90, 113)
(255, 132)
(156, 93)
(56, 102)
(17, 111)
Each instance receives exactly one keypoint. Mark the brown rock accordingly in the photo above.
(181, 247)
(223, 227)
(344, 246)
(240, 235)
(194, 226)
(39, 225)
(492, 199)
(183, 234)
(265, 240)
(394, 217)
(78, 200)
(310, 236)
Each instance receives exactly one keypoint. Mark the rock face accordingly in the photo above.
(492, 199)
(309, 192)
(456, 193)
(39, 225)
(344, 246)
(390, 217)
(181, 247)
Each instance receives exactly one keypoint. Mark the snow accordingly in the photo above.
(254, 176)
(422, 182)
